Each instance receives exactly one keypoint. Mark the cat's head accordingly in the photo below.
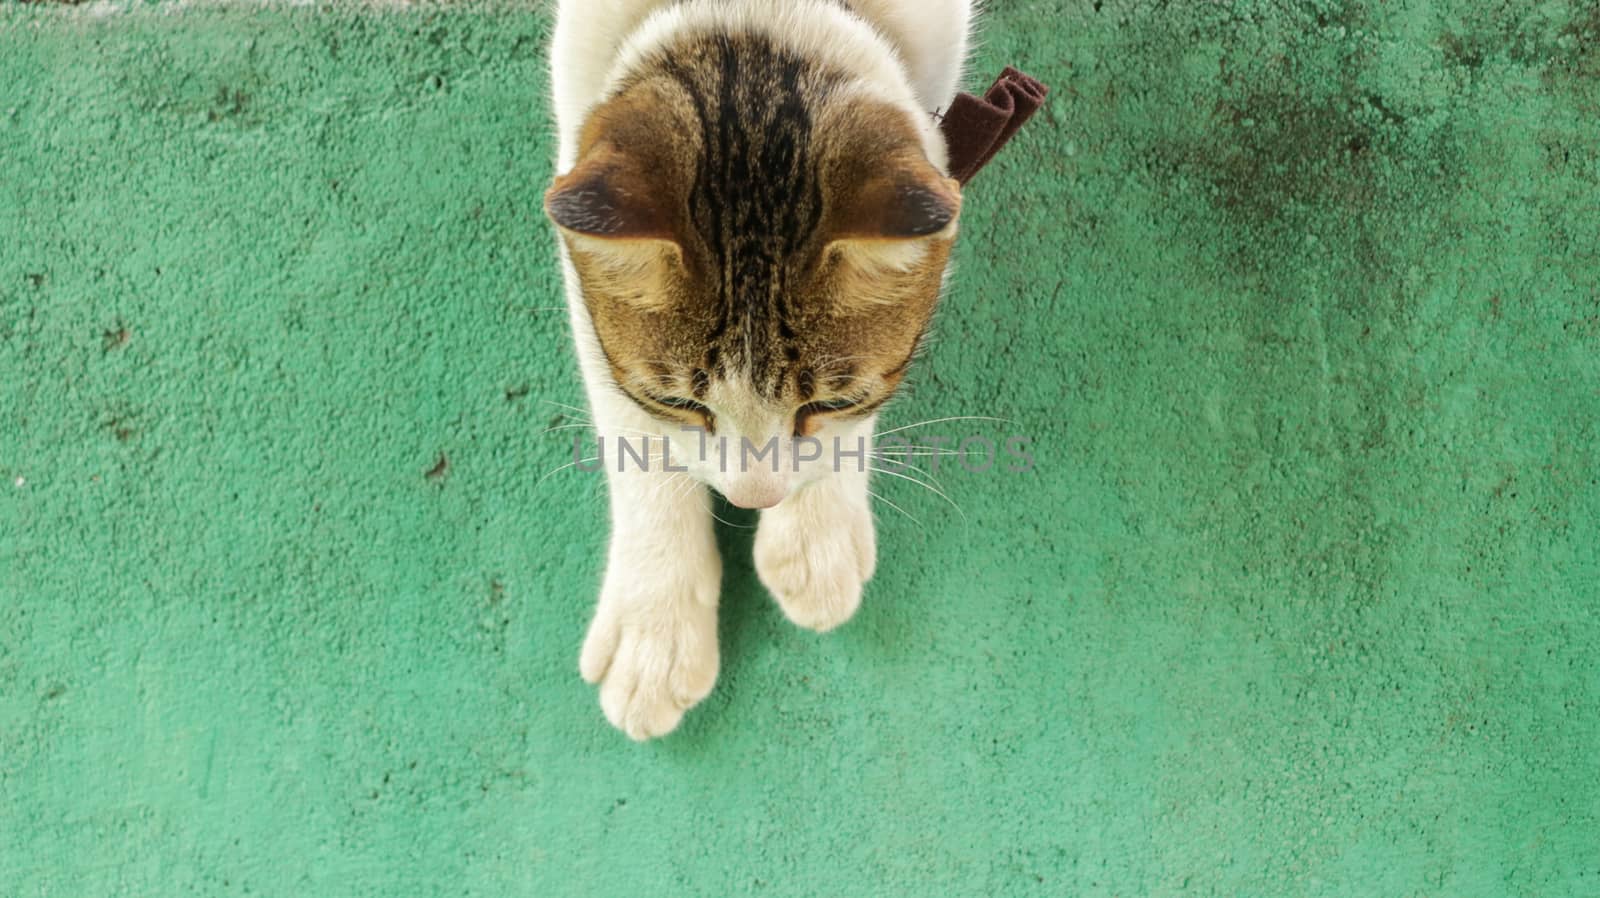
(760, 244)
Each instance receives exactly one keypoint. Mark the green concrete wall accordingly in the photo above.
(1300, 303)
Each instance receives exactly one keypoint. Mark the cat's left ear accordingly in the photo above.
(904, 199)
(608, 195)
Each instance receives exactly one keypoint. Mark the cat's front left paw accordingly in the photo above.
(813, 553)
(652, 649)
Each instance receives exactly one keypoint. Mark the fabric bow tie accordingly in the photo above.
(975, 128)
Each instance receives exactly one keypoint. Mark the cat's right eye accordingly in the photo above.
(685, 405)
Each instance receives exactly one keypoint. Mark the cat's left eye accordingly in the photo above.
(833, 405)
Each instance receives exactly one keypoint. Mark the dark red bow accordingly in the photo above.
(975, 128)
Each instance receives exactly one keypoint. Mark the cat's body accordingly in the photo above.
(755, 226)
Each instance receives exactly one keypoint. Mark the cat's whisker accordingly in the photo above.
(573, 416)
(685, 486)
(652, 381)
(903, 463)
(682, 485)
(570, 464)
(722, 520)
(644, 382)
(907, 444)
(672, 482)
(582, 412)
(829, 364)
(905, 466)
(620, 432)
(923, 451)
(945, 421)
(585, 425)
(650, 458)
(927, 486)
(908, 514)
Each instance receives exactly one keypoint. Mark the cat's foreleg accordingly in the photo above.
(652, 646)
(816, 549)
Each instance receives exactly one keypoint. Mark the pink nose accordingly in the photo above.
(756, 501)
(755, 492)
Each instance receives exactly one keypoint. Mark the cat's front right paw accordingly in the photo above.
(813, 553)
(652, 649)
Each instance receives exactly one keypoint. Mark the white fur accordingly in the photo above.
(652, 646)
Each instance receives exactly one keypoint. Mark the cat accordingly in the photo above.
(755, 224)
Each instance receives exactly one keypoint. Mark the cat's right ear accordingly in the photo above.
(608, 196)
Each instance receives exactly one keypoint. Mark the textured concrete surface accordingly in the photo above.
(1300, 303)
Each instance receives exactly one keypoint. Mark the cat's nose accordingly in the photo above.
(756, 490)
(763, 502)
(754, 498)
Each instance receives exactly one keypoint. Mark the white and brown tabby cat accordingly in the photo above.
(755, 223)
